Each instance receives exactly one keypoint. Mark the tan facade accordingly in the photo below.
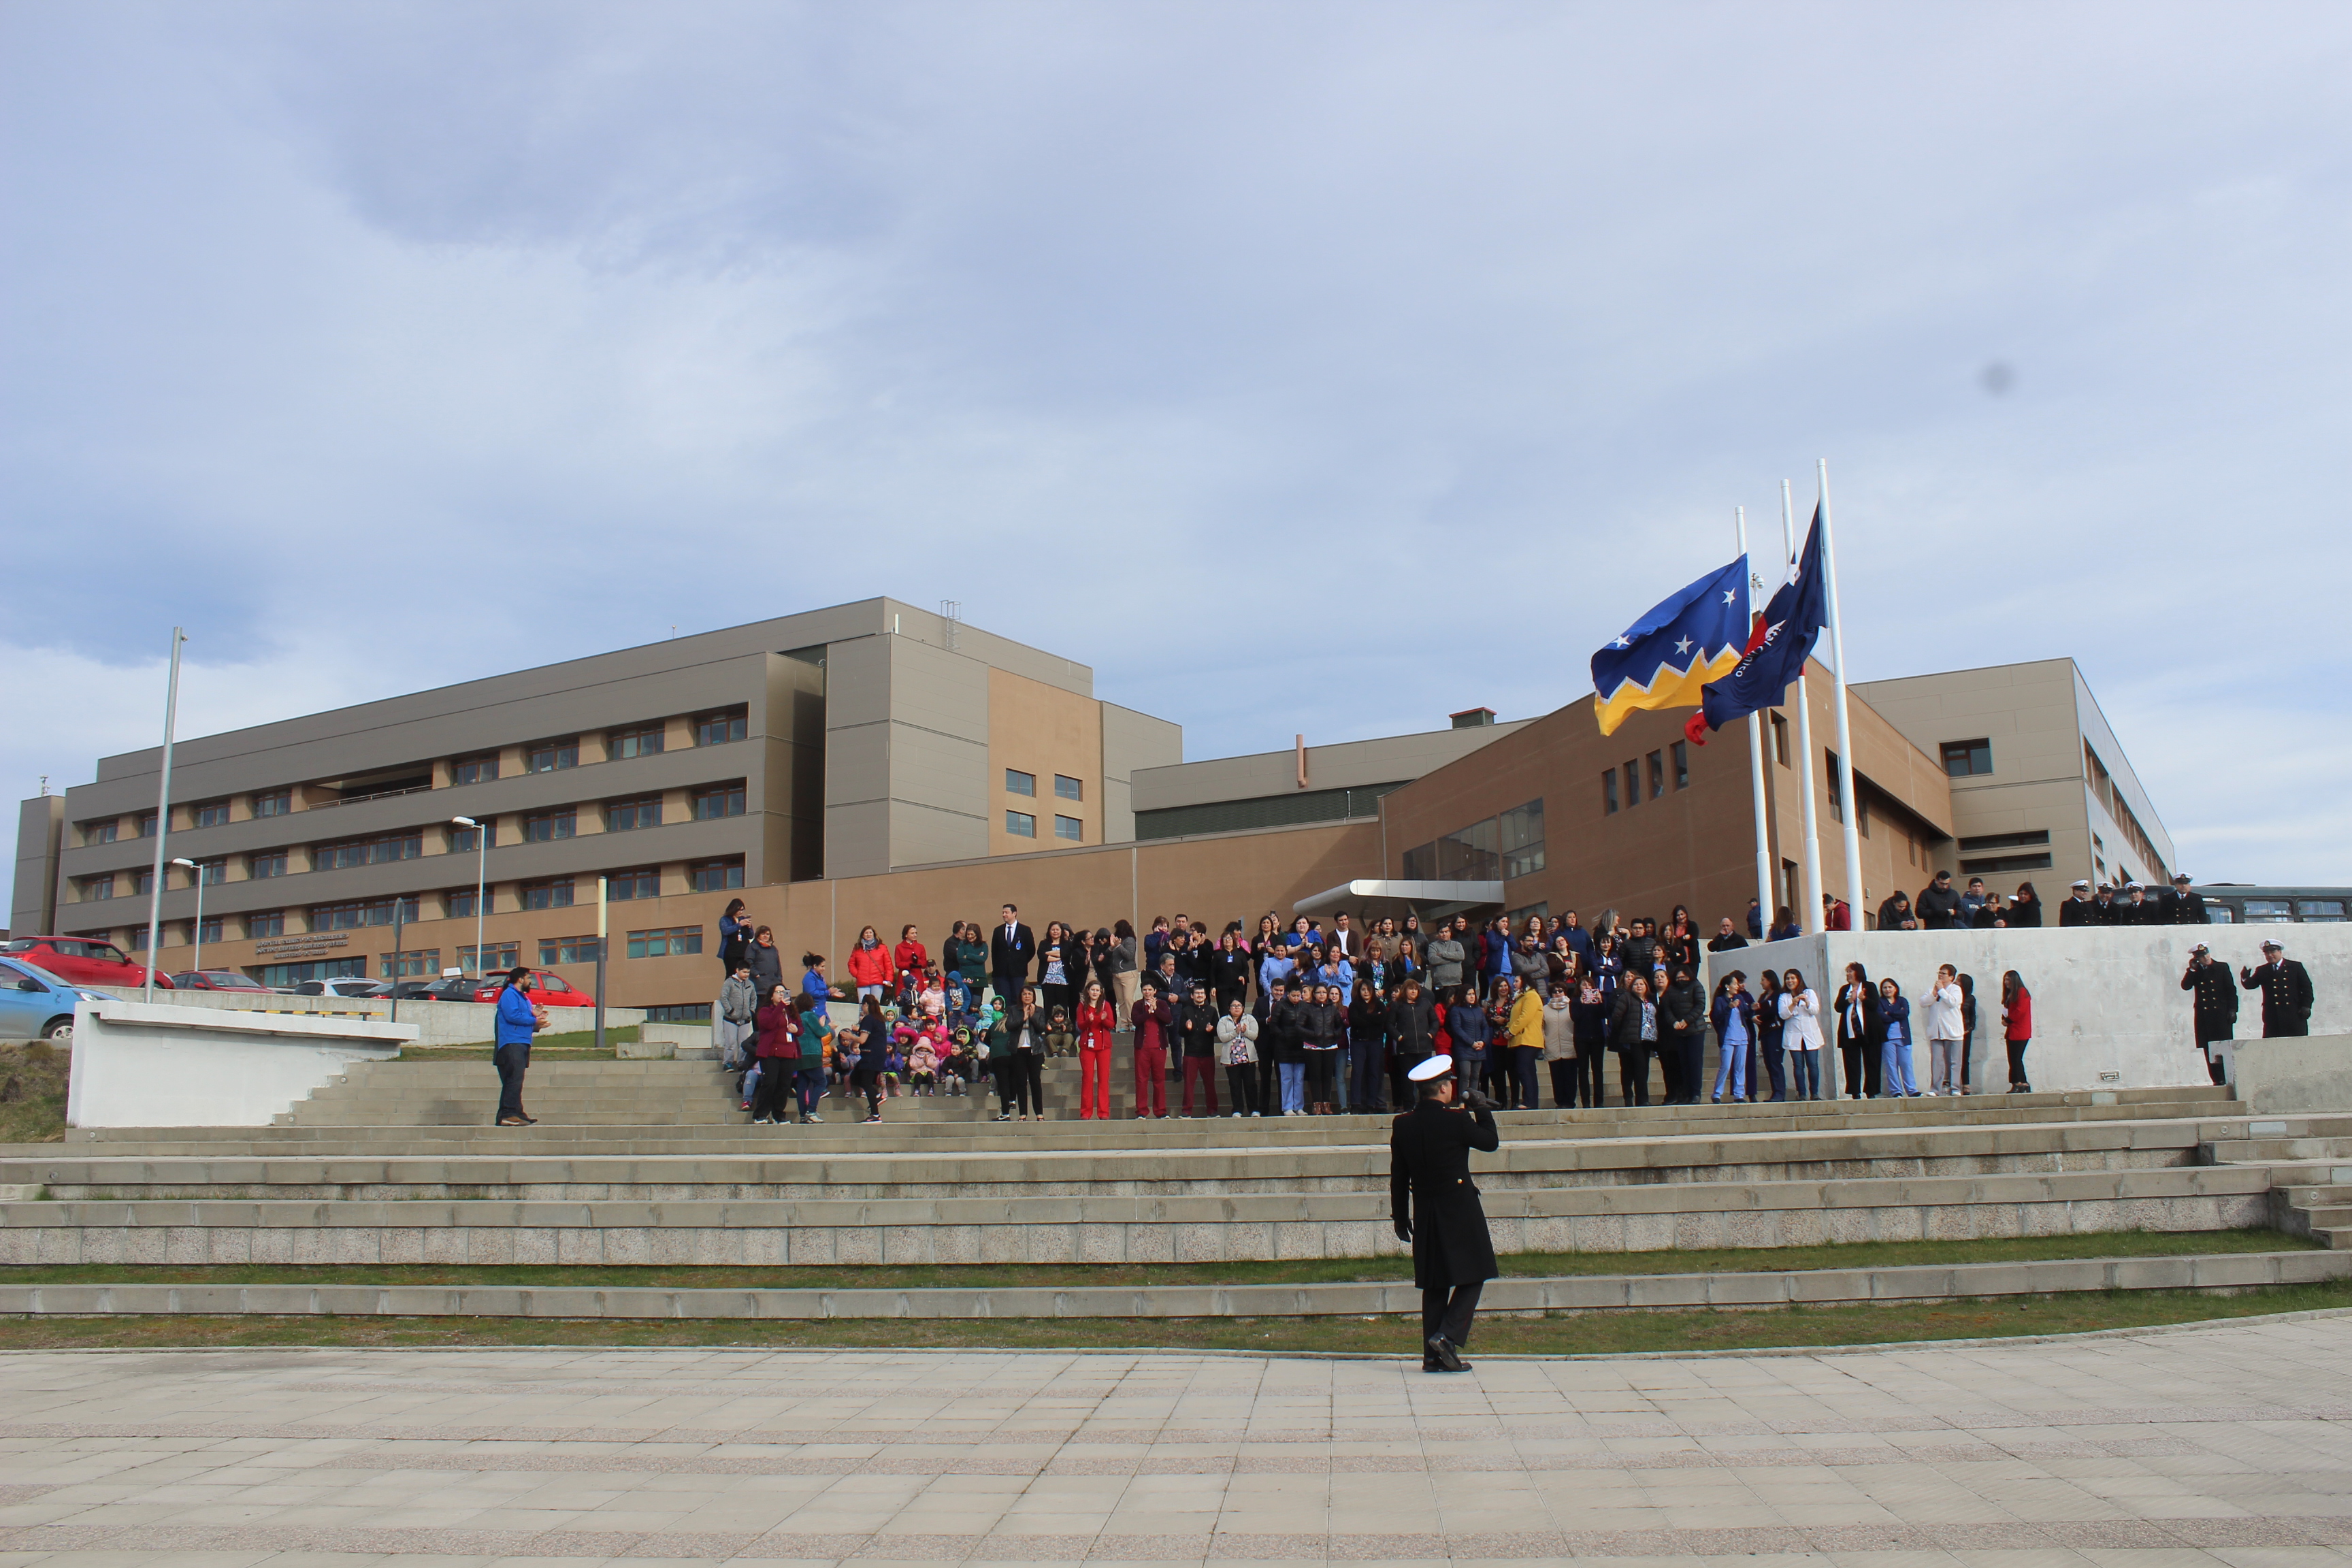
(1046, 736)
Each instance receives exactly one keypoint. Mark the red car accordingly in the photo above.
(84, 960)
(546, 987)
(216, 980)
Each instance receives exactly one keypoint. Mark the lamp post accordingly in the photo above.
(481, 864)
(162, 813)
(196, 932)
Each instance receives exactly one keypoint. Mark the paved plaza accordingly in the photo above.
(2230, 1444)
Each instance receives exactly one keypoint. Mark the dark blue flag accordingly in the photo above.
(1779, 647)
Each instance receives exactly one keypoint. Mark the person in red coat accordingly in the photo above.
(2017, 1027)
(1098, 1020)
(910, 955)
(870, 967)
(1154, 1021)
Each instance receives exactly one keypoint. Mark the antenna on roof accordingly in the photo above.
(950, 613)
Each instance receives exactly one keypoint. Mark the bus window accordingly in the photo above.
(2269, 910)
(2320, 910)
(2219, 914)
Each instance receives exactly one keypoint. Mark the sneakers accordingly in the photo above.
(869, 1120)
(811, 1116)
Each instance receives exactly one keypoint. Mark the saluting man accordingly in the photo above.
(2286, 992)
(1436, 1208)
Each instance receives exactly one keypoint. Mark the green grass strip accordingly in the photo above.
(1611, 1333)
(1304, 1271)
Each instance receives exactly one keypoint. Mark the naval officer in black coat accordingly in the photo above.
(1435, 1207)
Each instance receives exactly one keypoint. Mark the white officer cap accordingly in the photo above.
(2083, 882)
(2274, 945)
(1433, 1070)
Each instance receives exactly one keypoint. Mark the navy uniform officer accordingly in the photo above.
(1436, 1209)
(2286, 992)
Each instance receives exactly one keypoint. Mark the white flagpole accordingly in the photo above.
(1854, 895)
(1756, 761)
(164, 819)
(1810, 917)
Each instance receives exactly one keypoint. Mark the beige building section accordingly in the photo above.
(1046, 734)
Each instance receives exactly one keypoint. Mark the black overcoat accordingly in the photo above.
(2216, 990)
(2286, 996)
(1429, 1184)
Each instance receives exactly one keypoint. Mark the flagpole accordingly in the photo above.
(164, 819)
(1810, 917)
(1854, 895)
(1756, 765)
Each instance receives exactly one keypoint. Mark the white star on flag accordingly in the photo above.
(1684, 645)
(1731, 595)
(1621, 642)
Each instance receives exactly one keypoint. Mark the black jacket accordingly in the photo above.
(2216, 990)
(1684, 1003)
(1937, 909)
(2185, 908)
(1874, 1031)
(2074, 911)
(1196, 1029)
(2287, 996)
(1894, 911)
(2023, 913)
(1229, 976)
(1282, 1038)
(767, 961)
(1413, 1027)
(1319, 1024)
(1625, 1024)
(1430, 1189)
(1010, 957)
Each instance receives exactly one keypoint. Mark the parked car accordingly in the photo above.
(348, 985)
(217, 979)
(84, 960)
(455, 989)
(37, 1006)
(546, 987)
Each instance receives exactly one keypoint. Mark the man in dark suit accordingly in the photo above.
(2216, 1006)
(2185, 907)
(1435, 1207)
(1011, 951)
(2286, 992)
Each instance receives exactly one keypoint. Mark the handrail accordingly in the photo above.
(380, 794)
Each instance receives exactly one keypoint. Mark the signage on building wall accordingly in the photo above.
(308, 946)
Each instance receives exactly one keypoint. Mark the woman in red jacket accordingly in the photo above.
(777, 1045)
(869, 965)
(2017, 1027)
(1098, 1020)
(910, 954)
(1154, 1019)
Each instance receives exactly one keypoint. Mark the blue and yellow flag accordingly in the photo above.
(1666, 657)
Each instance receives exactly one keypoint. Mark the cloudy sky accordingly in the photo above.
(1300, 366)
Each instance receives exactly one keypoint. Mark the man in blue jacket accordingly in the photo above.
(510, 1052)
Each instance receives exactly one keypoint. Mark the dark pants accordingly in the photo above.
(2016, 1063)
(1447, 1310)
(512, 1061)
(2214, 1066)
(1967, 1048)
(1862, 1065)
(1523, 1071)
(1203, 1071)
(870, 1084)
(1269, 1102)
(1592, 1066)
(809, 1081)
(775, 1084)
(1319, 1075)
(1003, 1072)
(1366, 1092)
(1633, 1074)
(1692, 1068)
(1242, 1078)
(1774, 1066)
(1028, 1082)
(1566, 1082)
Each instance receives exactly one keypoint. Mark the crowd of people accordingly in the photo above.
(1306, 1019)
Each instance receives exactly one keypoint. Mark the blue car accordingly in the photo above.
(35, 1005)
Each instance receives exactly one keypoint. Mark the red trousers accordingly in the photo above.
(1094, 1083)
(1151, 1080)
(1205, 1069)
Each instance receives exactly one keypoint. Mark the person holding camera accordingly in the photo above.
(1435, 1205)
(2216, 1005)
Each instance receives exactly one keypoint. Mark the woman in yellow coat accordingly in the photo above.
(1526, 1032)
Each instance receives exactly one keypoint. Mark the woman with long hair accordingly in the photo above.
(776, 1045)
(1097, 1022)
(734, 936)
(871, 969)
(2025, 909)
(1061, 968)
(2016, 1028)
(1800, 1032)
(1368, 1041)
(1633, 1036)
(1588, 1005)
(1859, 1033)
(874, 1044)
(1898, 1070)
(1767, 1038)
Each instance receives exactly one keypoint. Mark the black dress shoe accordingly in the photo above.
(1443, 1352)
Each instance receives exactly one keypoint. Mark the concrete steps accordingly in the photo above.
(1586, 1293)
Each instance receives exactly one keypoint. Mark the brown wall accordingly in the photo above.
(1042, 730)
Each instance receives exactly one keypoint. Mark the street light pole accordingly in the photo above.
(481, 865)
(196, 932)
(162, 813)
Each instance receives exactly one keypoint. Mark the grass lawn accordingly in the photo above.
(981, 1276)
(32, 1094)
(1613, 1333)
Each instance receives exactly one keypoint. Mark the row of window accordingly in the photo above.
(1024, 825)
(1065, 786)
(543, 757)
(1666, 763)
(1501, 847)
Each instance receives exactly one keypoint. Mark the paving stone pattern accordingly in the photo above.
(2229, 1445)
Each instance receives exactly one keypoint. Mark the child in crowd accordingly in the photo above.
(922, 1067)
(1060, 1040)
(894, 1070)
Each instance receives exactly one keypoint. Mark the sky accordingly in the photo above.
(1312, 367)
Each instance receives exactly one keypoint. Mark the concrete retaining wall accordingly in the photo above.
(437, 1023)
(135, 1064)
(2108, 1010)
(2310, 1073)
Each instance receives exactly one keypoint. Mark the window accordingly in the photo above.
(211, 873)
(146, 825)
(474, 770)
(146, 883)
(283, 975)
(1964, 759)
(1071, 829)
(1609, 792)
(2269, 910)
(458, 904)
(1520, 915)
(641, 882)
(1468, 854)
(1837, 795)
(212, 813)
(101, 832)
(139, 939)
(493, 955)
(1682, 765)
(2003, 841)
(549, 756)
(718, 729)
(715, 875)
(408, 966)
(554, 894)
(645, 741)
(211, 928)
(1421, 863)
(719, 800)
(627, 815)
(1657, 774)
(265, 922)
(1067, 788)
(567, 950)
(376, 851)
(1021, 824)
(679, 1013)
(2006, 863)
(1521, 832)
(1018, 782)
(1780, 739)
(95, 888)
(540, 826)
(2320, 911)
(273, 803)
(671, 941)
(364, 913)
